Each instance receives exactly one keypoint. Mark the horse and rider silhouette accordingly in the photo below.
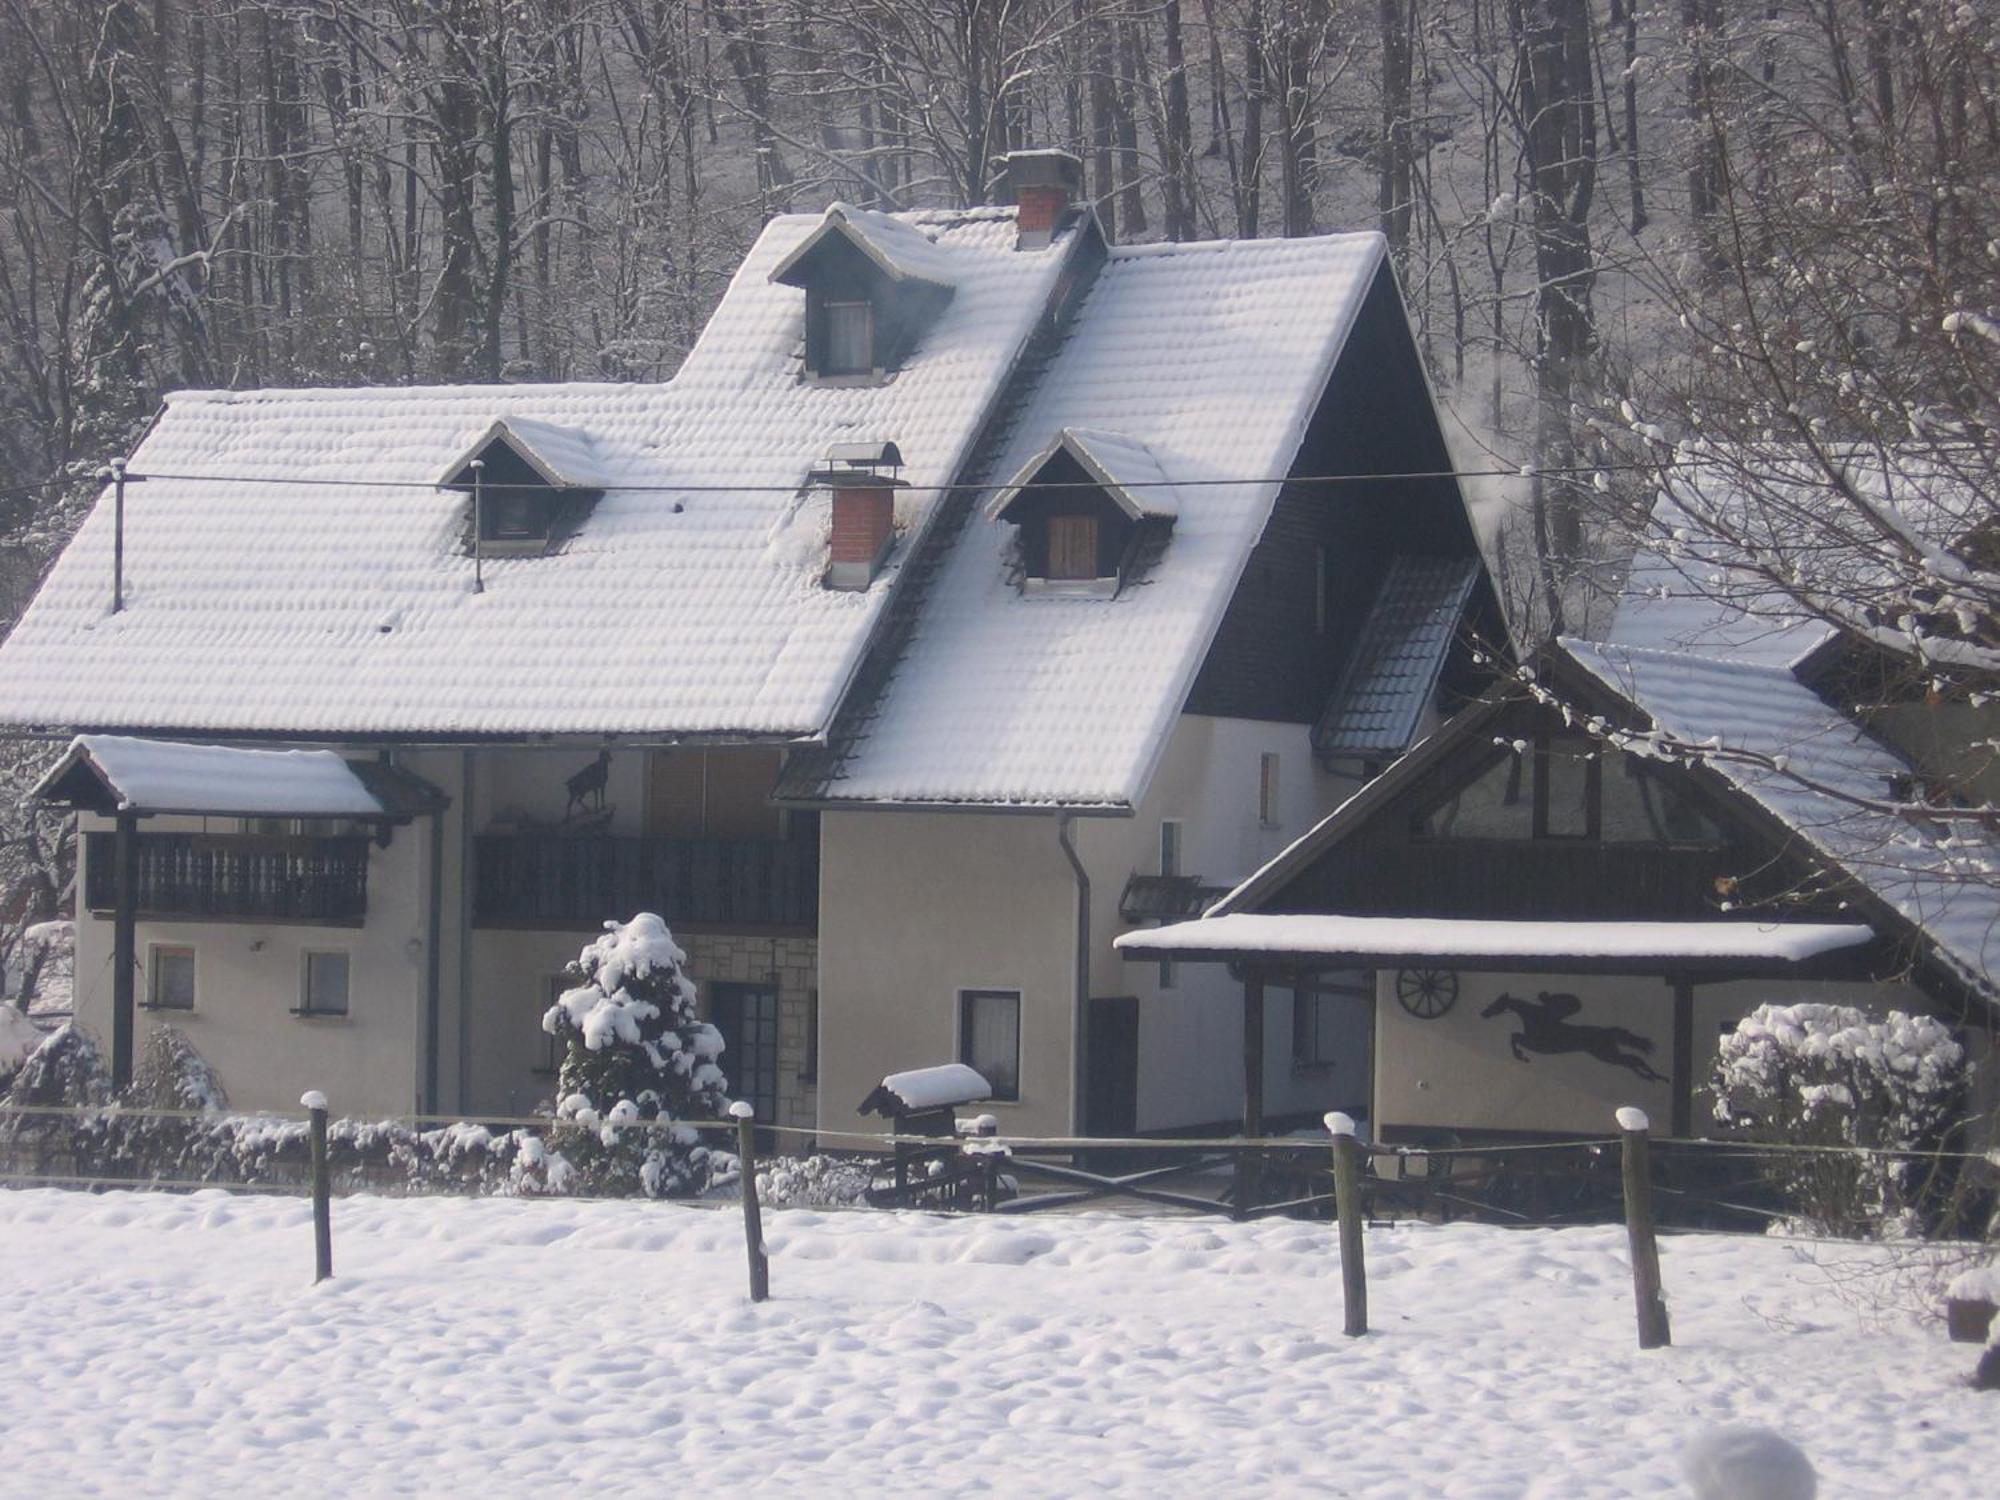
(1546, 1028)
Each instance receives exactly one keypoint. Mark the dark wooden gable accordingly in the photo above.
(1514, 814)
(1312, 577)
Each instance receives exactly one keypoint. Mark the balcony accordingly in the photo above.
(235, 877)
(553, 880)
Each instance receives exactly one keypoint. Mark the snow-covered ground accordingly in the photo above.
(172, 1345)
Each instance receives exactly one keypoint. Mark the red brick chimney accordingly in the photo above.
(864, 511)
(1042, 184)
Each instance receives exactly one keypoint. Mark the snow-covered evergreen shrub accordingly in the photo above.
(19, 1037)
(1832, 1075)
(635, 1054)
(173, 1076)
(68, 1068)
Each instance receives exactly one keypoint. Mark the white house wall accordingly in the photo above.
(915, 907)
(1458, 1072)
(1191, 1035)
(247, 982)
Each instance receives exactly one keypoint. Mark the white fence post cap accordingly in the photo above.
(742, 1109)
(1631, 1117)
(312, 1099)
(1339, 1122)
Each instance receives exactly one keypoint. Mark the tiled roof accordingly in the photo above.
(1379, 705)
(1822, 776)
(279, 595)
(1212, 356)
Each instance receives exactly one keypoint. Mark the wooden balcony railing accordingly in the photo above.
(227, 877)
(551, 880)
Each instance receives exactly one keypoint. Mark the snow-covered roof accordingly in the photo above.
(1459, 939)
(1822, 776)
(165, 776)
(1126, 468)
(1212, 356)
(289, 566)
(939, 1087)
(564, 456)
(898, 247)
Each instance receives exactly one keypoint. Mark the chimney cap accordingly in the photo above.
(1048, 166)
(867, 453)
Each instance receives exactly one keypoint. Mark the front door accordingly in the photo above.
(1111, 1105)
(747, 1017)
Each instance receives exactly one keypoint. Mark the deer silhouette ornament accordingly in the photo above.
(1546, 1028)
(586, 787)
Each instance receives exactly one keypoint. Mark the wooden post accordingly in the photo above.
(124, 955)
(1650, 1303)
(1248, 1184)
(117, 535)
(743, 1112)
(322, 1189)
(1347, 1202)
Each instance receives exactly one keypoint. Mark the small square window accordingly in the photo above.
(323, 990)
(850, 338)
(1072, 544)
(989, 1038)
(171, 983)
(1329, 1014)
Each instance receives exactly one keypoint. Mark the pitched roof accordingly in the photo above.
(1126, 468)
(564, 456)
(269, 591)
(162, 776)
(1397, 658)
(1201, 353)
(1822, 776)
(901, 250)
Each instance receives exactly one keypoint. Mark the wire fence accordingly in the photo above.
(1733, 1185)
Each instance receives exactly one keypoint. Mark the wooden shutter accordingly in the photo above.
(1073, 547)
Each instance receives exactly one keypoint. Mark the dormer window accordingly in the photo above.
(850, 339)
(528, 485)
(1087, 507)
(872, 283)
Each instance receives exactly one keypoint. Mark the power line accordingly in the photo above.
(1411, 475)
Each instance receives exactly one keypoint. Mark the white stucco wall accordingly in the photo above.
(247, 981)
(917, 906)
(1191, 1034)
(1458, 1072)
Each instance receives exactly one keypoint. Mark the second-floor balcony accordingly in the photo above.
(234, 877)
(555, 880)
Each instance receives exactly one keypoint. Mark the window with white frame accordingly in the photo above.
(170, 977)
(323, 983)
(989, 1038)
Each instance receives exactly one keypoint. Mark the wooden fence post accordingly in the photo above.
(1654, 1332)
(322, 1189)
(743, 1112)
(1347, 1202)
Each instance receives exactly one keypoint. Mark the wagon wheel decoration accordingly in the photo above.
(1426, 993)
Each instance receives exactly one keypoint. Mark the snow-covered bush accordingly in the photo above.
(1835, 1076)
(173, 1076)
(19, 1037)
(811, 1182)
(67, 1068)
(635, 1060)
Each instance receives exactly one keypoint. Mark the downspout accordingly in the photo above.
(1080, 999)
(465, 816)
(433, 966)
